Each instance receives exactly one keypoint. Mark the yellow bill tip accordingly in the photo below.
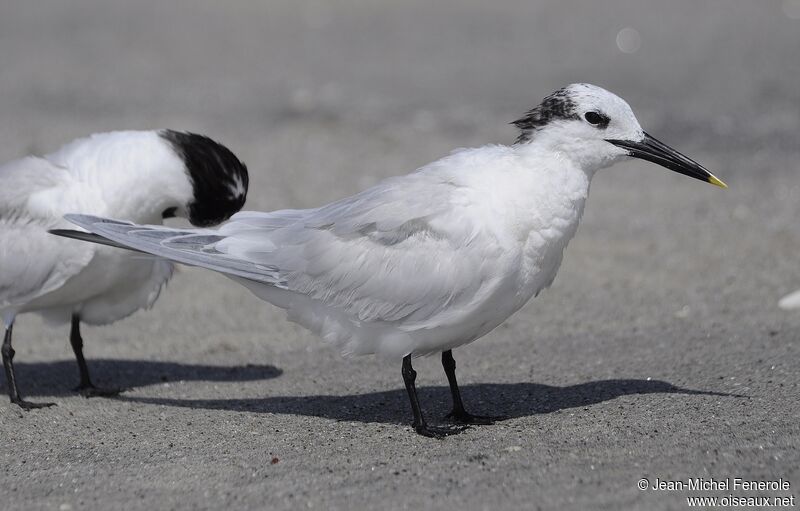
(716, 181)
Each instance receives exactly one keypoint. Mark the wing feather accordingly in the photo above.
(33, 263)
(394, 252)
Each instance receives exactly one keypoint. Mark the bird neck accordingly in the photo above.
(554, 145)
(553, 186)
(134, 173)
(143, 194)
(557, 163)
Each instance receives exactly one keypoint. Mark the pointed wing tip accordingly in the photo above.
(67, 233)
(89, 237)
(77, 235)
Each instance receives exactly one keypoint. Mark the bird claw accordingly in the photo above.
(438, 432)
(464, 417)
(27, 405)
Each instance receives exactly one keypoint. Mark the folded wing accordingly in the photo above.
(392, 253)
(33, 263)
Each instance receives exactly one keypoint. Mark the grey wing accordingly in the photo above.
(410, 273)
(406, 249)
(33, 263)
(190, 246)
(394, 252)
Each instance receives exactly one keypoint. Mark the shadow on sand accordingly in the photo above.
(60, 377)
(508, 399)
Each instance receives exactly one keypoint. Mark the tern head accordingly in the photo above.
(597, 128)
(218, 179)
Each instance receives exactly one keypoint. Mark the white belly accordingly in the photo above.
(115, 284)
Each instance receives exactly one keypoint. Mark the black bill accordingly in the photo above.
(651, 149)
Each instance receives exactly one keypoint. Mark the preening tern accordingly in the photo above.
(142, 176)
(430, 261)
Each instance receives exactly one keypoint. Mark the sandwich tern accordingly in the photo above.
(427, 262)
(143, 176)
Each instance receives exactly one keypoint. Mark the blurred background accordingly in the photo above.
(716, 73)
(324, 99)
(668, 278)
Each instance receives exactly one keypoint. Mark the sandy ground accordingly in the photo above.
(659, 352)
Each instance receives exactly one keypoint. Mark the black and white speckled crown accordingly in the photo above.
(558, 105)
(219, 179)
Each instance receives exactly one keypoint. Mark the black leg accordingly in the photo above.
(459, 414)
(419, 424)
(86, 388)
(8, 364)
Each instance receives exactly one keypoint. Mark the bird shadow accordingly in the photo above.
(60, 377)
(508, 399)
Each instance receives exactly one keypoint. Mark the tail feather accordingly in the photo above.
(194, 247)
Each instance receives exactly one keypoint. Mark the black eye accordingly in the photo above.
(169, 213)
(595, 118)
